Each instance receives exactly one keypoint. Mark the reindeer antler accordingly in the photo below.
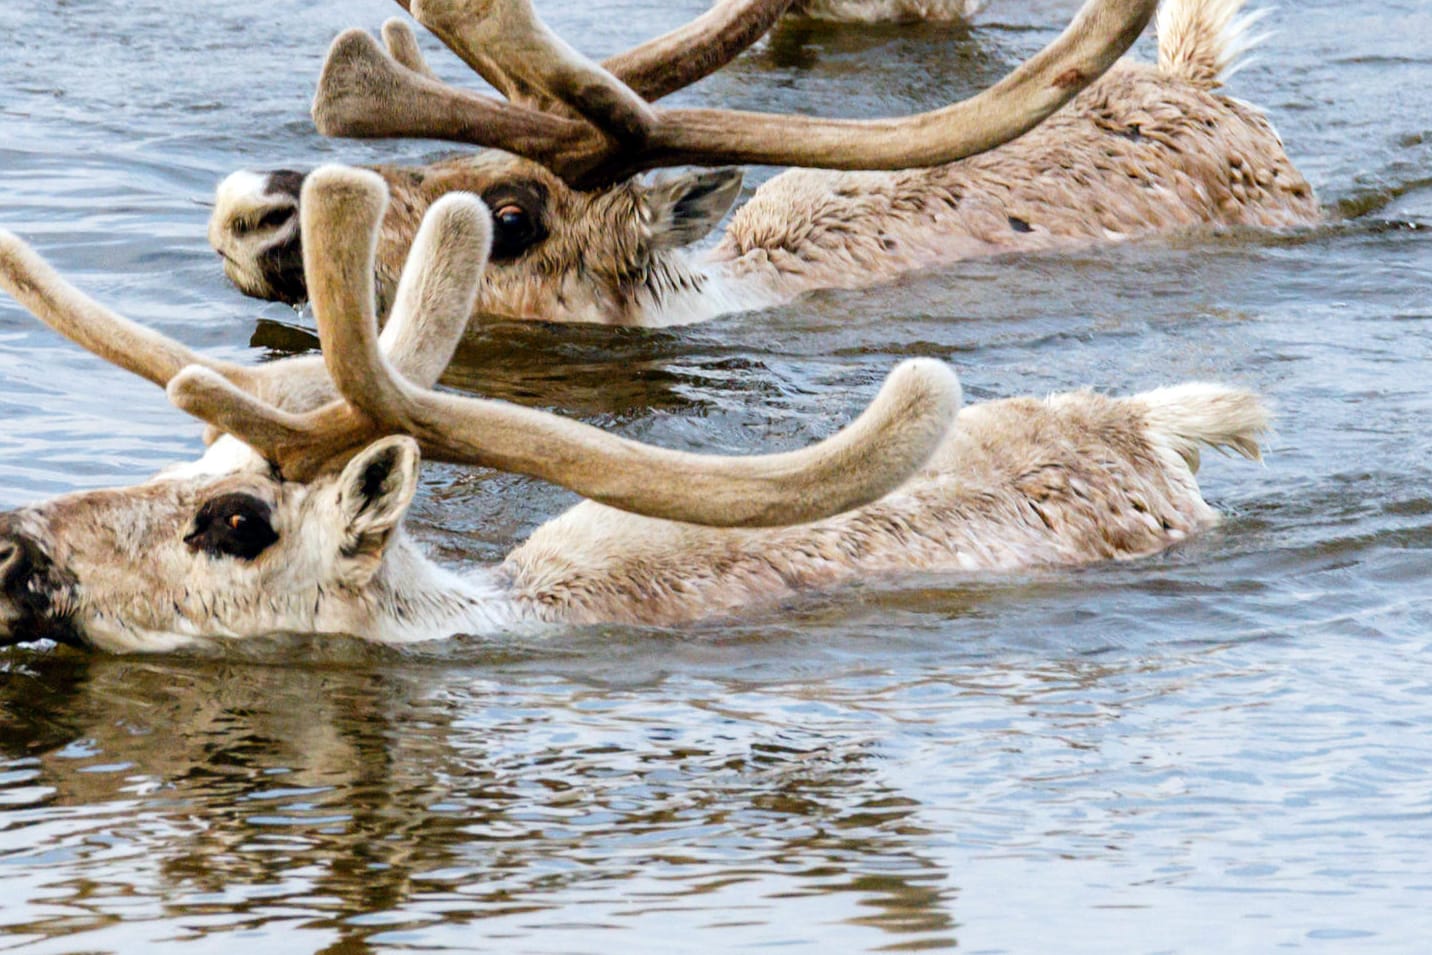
(677, 59)
(591, 128)
(342, 210)
(307, 422)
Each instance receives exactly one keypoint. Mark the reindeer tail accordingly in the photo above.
(1188, 416)
(1204, 41)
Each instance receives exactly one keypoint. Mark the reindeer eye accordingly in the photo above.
(513, 232)
(516, 227)
(232, 525)
(275, 218)
(269, 220)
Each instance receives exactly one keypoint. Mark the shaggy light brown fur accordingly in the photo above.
(886, 11)
(1140, 151)
(1019, 483)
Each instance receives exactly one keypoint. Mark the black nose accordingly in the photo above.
(12, 561)
(281, 262)
(30, 590)
(17, 562)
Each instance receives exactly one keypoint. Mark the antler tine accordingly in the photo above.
(677, 59)
(894, 437)
(510, 47)
(403, 46)
(438, 288)
(341, 212)
(45, 293)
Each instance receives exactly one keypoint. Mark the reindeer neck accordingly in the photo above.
(682, 290)
(411, 599)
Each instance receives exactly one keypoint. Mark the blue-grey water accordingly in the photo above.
(1226, 748)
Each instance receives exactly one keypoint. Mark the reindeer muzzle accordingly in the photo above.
(29, 583)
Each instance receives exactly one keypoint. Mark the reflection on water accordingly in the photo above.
(1221, 749)
(373, 802)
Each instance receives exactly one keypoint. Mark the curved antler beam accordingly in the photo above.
(44, 292)
(675, 60)
(403, 47)
(1101, 33)
(868, 459)
(363, 92)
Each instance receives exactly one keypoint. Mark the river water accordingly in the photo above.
(1226, 748)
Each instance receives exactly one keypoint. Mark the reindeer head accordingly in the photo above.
(194, 554)
(609, 255)
(578, 238)
(292, 520)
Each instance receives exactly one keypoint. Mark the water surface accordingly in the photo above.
(1221, 749)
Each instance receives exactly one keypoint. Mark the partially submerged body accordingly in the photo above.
(1017, 484)
(1139, 152)
(1020, 483)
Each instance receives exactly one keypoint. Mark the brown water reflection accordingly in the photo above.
(373, 801)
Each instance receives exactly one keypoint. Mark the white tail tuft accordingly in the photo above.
(1189, 415)
(1204, 41)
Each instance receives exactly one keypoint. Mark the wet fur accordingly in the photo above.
(1019, 483)
(1139, 152)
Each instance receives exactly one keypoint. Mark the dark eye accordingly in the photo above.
(275, 218)
(516, 222)
(232, 525)
(269, 220)
(513, 232)
(511, 217)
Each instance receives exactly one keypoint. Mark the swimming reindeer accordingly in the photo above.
(292, 521)
(579, 237)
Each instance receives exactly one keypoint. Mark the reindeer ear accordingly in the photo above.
(374, 492)
(684, 208)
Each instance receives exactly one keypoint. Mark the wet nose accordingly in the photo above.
(15, 564)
